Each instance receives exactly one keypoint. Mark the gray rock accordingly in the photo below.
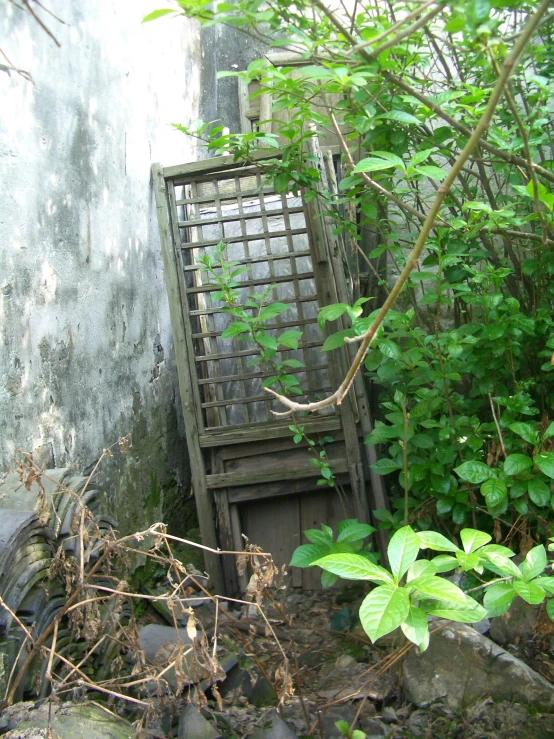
(373, 728)
(517, 625)
(388, 715)
(461, 667)
(192, 725)
(69, 721)
(253, 685)
(338, 713)
(154, 636)
(273, 728)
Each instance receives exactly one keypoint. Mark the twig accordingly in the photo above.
(497, 427)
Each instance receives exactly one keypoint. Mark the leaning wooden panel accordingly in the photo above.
(243, 454)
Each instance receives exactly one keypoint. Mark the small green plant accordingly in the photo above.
(345, 730)
(412, 590)
(350, 539)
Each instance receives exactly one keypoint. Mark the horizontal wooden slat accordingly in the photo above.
(260, 259)
(260, 375)
(301, 299)
(241, 434)
(267, 281)
(239, 217)
(284, 487)
(267, 326)
(259, 399)
(184, 173)
(246, 238)
(250, 352)
(231, 196)
(291, 472)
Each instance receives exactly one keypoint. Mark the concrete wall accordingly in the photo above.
(86, 346)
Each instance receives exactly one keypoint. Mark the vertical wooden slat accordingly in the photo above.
(323, 234)
(377, 494)
(187, 380)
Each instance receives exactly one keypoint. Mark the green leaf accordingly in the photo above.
(498, 598)
(503, 564)
(294, 363)
(530, 592)
(236, 328)
(419, 568)
(444, 563)
(546, 583)
(157, 14)
(474, 472)
(384, 466)
(465, 615)
(373, 164)
(271, 311)
(539, 492)
(436, 541)
(439, 589)
(353, 567)
(549, 432)
(331, 313)
(399, 115)
(545, 463)
(334, 341)
(355, 531)
(268, 342)
(515, 464)
(306, 554)
(494, 491)
(415, 626)
(316, 536)
(389, 349)
(550, 609)
(383, 610)
(402, 551)
(473, 539)
(429, 170)
(290, 340)
(526, 431)
(420, 156)
(534, 564)
(328, 579)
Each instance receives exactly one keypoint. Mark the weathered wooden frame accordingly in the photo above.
(218, 493)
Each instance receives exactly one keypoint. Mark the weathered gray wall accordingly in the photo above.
(86, 351)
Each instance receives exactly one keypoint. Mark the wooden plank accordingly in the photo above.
(253, 399)
(230, 196)
(232, 479)
(186, 381)
(260, 374)
(250, 352)
(252, 449)
(233, 218)
(279, 489)
(241, 434)
(301, 298)
(183, 173)
(321, 225)
(273, 525)
(237, 239)
(257, 260)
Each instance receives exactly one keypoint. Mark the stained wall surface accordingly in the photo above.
(85, 336)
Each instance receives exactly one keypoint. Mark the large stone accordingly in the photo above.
(461, 667)
(192, 725)
(273, 728)
(516, 625)
(253, 685)
(69, 721)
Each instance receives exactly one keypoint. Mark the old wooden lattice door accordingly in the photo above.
(242, 457)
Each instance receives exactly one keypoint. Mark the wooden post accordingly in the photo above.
(173, 278)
